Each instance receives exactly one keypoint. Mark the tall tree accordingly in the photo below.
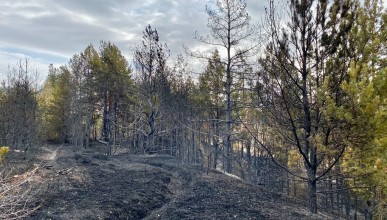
(230, 29)
(297, 76)
(113, 86)
(211, 102)
(54, 101)
(84, 69)
(365, 110)
(151, 65)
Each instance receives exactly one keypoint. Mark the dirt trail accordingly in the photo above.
(88, 185)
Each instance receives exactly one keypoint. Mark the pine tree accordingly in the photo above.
(113, 84)
(211, 101)
(365, 111)
(295, 77)
(230, 27)
(54, 100)
(152, 73)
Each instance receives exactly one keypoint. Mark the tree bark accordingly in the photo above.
(312, 202)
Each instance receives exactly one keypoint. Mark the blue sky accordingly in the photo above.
(51, 31)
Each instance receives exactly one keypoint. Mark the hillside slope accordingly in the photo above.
(94, 186)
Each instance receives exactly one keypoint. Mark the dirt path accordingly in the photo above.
(94, 186)
(89, 185)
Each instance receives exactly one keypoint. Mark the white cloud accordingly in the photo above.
(56, 30)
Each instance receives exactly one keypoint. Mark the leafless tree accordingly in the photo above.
(230, 30)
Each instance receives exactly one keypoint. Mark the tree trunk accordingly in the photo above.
(368, 214)
(193, 159)
(216, 142)
(330, 188)
(87, 131)
(312, 190)
(347, 204)
(105, 126)
(294, 187)
(248, 155)
(227, 142)
(288, 184)
(338, 195)
(113, 133)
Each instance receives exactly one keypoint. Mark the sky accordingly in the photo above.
(52, 31)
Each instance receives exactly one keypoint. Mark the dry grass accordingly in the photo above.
(17, 193)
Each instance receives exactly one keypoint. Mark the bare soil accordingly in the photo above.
(90, 185)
